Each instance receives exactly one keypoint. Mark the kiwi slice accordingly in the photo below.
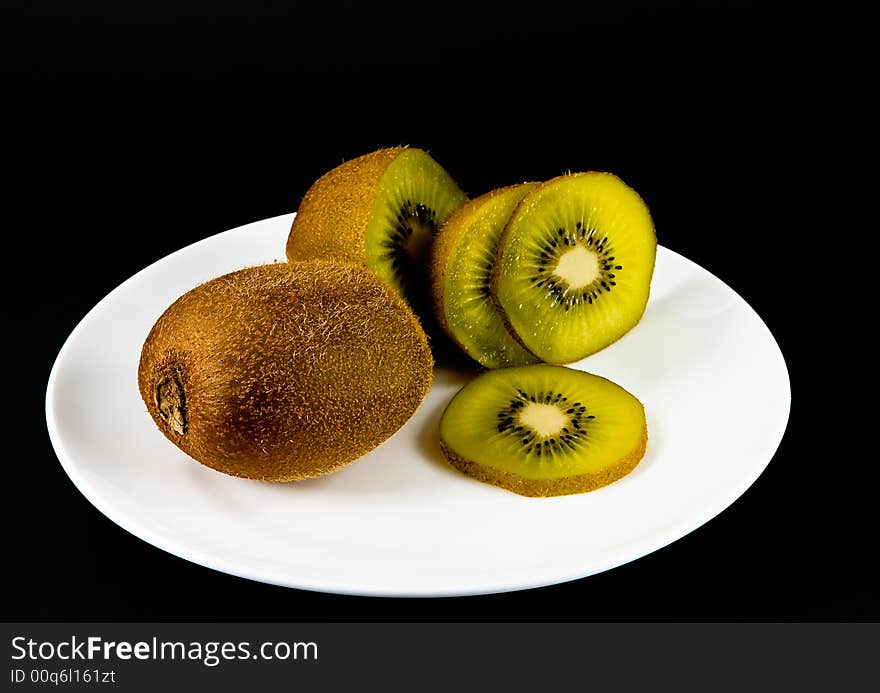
(574, 266)
(461, 272)
(380, 210)
(543, 430)
(285, 371)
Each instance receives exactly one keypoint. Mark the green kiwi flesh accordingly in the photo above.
(461, 269)
(414, 196)
(574, 266)
(543, 430)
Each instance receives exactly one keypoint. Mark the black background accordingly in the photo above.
(130, 134)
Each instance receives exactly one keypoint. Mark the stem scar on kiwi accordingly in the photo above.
(171, 403)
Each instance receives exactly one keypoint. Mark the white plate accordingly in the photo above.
(400, 521)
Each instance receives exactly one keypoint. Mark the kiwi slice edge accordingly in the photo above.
(461, 270)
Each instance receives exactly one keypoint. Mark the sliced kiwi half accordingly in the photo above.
(461, 273)
(543, 430)
(380, 210)
(574, 266)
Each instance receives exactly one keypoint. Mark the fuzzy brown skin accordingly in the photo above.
(335, 211)
(285, 371)
(548, 487)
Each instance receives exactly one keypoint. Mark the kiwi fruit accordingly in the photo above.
(543, 430)
(461, 271)
(574, 266)
(285, 371)
(380, 210)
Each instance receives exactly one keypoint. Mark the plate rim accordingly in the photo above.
(673, 533)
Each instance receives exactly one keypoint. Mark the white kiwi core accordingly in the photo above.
(546, 420)
(578, 267)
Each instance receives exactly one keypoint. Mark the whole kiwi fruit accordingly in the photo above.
(285, 371)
